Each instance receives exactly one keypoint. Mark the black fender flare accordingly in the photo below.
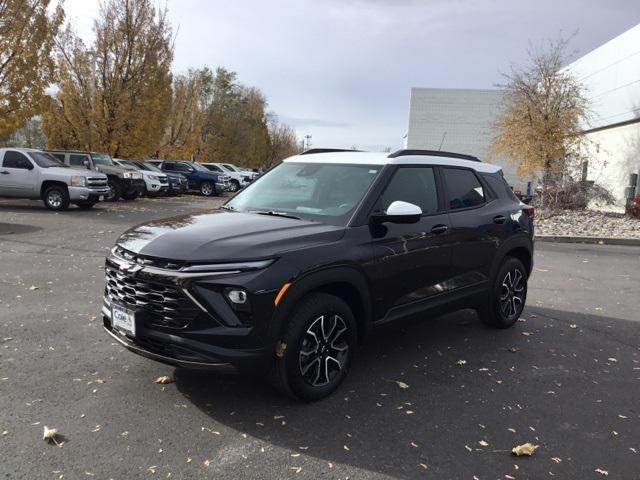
(315, 280)
(520, 241)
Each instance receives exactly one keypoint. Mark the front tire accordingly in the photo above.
(130, 196)
(320, 340)
(507, 297)
(234, 186)
(56, 198)
(207, 189)
(86, 205)
(115, 191)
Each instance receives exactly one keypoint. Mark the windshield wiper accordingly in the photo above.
(228, 207)
(273, 213)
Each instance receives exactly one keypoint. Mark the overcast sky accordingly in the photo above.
(342, 70)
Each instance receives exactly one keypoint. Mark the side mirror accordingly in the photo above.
(86, 164)
(400, 212)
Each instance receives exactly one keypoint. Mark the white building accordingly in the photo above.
(611, 77)
(461, 121)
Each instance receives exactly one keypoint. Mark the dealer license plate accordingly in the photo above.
(124, 320)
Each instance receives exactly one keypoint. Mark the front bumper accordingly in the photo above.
(132, 185)
(223, 187)
(183, 319)
(86, 194)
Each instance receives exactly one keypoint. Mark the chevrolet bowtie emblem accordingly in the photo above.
(131, 268)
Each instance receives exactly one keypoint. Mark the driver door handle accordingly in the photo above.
(438, 229)
(499, 219)
(4, 172)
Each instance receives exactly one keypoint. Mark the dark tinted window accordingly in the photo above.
(181, 167)
(78, 160)
(416, 185)
(14, 159)
(500, 186)
(214, 168)
(464, 190)
(45, 160)
(168, 166)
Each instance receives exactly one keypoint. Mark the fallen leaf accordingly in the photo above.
(400, 384)
(573, 325)
(33, 287)
(296, 469)
(152, 469)
(461, 362)
(281, 347)
(524, 449)
(345, 447)
(602, 472)
(514, 349)
(526, 334)
(165, 379)
(556, 459)
(49, 435)
(423, 465)
(612, 360)
(483, 443)
(415, 445)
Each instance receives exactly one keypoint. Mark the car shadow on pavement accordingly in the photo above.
(561, 380)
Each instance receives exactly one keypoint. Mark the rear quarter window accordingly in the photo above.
(500, 187)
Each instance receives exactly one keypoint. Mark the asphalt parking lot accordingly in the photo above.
(567, 378)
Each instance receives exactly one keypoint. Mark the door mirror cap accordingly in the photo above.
(400, 212)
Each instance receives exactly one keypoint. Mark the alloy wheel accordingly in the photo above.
(512, 293)
(324, 350)
(206, 189)
(54, 199)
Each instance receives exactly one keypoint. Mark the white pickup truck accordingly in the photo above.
(34, 174)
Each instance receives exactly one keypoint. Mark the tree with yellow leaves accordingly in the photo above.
(116, 96)
(27, 33)
(545, 114)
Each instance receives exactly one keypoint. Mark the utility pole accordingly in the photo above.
(308, 142)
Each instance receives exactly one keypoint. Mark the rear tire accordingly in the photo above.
(207, 189)
(507, 297)
(320, 340)
(56, 198)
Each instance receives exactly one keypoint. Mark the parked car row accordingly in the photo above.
(62, 177)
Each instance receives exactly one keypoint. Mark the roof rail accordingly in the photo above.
(433, 153)
(327, 150)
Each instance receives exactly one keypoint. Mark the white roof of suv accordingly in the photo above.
(382, 158)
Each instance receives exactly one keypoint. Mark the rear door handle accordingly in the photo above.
(499, 219)
(4, 172)
(438, 229)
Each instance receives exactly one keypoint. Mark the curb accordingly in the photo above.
(630, 242)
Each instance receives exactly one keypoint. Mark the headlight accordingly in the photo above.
(128, 174)
(78, 181)
(155, 177)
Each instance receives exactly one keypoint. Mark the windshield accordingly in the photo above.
(45, 160)
(233, 168)
(149, 166)
(199, 167)
(102, 159)
(326, 193)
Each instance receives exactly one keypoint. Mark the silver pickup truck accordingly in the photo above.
(33, 174)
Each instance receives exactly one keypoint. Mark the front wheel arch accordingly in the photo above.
(344, 282)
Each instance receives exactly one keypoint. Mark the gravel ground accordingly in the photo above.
(587, 224)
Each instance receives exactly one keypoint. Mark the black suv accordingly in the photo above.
(300, 266)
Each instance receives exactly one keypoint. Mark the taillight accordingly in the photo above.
(530, 211)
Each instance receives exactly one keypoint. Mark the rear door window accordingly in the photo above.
(463, 188)
(77, 160)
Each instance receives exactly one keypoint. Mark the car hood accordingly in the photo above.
(66, 171)
(225, 237)
(113, 170)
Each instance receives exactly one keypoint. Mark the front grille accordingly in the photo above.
(160, 304)
(146, 260)
(96, 182)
